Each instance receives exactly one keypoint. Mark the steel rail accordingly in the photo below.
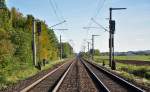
(41, 79)
(99, 84)
(117, 78)
(62, 78)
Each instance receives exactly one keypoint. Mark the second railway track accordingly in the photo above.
(109, 80)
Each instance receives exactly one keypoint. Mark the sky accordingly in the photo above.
(132, 25)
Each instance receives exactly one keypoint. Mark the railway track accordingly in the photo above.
(47, 82)
(76, 79)
(80, 76)
(109, 81)
(69, 77)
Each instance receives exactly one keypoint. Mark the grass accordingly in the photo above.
(134, 57)
(140, 71)
(14, 72)
(138, 74)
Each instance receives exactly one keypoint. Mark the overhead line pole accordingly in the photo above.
(88, 43)
(112, 62)
(110, 39)
(88, 46)
(34, 43)
(93, 46)
(60, 48)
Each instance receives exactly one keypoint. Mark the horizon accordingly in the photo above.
(128, 51)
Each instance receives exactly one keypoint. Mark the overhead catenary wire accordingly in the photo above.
(54, 9)
(100, 5)
(58, 9)
(58, 14)
(100, 25)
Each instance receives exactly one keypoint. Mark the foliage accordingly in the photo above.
(16, 46)
(53, 45)
(67, 50)
(96, 52)
(18, 21)
(140, 71)
(29, 22)
(5, 19)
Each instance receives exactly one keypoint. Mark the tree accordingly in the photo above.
(67, 50)
(96, 52)
(18, 21)
(29, 22)
(5, 19)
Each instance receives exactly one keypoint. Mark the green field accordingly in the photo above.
(138, 74)
(135, 57)
(141, 71)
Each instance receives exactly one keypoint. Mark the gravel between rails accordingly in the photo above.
(112, 85)
(49, 83)
(77, 80)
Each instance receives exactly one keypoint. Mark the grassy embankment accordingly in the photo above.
(138, 74)
(15, 72)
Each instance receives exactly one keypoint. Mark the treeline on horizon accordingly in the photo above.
(16, 41)
(128, 53)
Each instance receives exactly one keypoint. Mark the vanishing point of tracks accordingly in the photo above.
(81, 76)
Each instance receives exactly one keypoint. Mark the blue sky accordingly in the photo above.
(132, 25)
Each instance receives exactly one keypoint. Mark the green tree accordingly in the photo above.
(96, 52)
(18, 21)
(6, 48)
(29, 22)
(5, 19)
(67, 50)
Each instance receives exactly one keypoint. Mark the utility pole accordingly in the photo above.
(60, 48)
(34, 42)
(112, 62)
(88, 43)
(39, 29)
(93, 46)
(110, 40)
(88, 46)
